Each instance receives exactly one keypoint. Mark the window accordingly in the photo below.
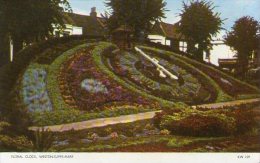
(183, 46)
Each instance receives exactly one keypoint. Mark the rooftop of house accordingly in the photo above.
(168, 30)
(91, 24)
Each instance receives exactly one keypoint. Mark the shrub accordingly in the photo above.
(17, 143)
(221, 122)
(43, 140)
(197, 123)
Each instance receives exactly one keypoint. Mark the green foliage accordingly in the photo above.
(15, 22)
(199, 123)
(176, 143)
(16, 143)
(171, 142)
(43, 140)
(138, 14)
(3, 125)
(199, 24)
(229, 120)
(243, 39)
(118, 144)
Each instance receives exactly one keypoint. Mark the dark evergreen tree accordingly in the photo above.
(137, 14)
(199, 24)
(243, 39)
(26, 21)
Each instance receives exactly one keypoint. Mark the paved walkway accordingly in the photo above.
(229, 103)
(130, 118)
(98, 122)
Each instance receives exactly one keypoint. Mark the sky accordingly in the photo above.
(230, 11)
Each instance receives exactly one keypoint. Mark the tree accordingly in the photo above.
(27, 21)
(199, 24)
(138, 14)
(243, 39)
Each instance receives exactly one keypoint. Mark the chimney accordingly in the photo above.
(93, 12)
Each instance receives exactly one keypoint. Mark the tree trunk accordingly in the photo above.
(3, 50)
(242, 65)
(18, 45)
(199, 53)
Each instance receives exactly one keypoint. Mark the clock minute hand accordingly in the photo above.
(156, 62)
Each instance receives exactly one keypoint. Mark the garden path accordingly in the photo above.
(229, 103)
(101, 122)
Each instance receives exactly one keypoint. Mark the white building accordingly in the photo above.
(76, 24)
(166, 34)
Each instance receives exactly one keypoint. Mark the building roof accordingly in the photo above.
(91, 25)
(168, 30)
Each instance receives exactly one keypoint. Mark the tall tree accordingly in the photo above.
(199, 24)
(30, 20)
(243, 39)
(138, 14)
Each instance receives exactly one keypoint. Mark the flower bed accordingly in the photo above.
(52, 79)
(72, 102)
(99, 55)
(90, 88)
(145, 77)
(217, 95)
(227, 83)
(33, 89)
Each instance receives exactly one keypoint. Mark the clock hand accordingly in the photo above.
(156, 63)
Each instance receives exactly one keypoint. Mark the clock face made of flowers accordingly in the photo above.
(158, 76)
(91, 88)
